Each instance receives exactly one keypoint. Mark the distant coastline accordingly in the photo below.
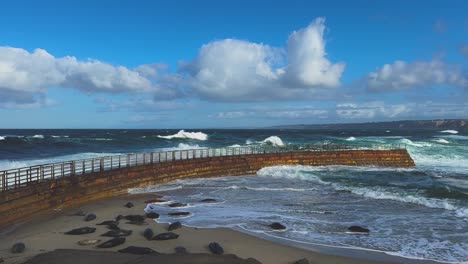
(460, 125)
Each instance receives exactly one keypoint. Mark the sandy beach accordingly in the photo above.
(45, 233)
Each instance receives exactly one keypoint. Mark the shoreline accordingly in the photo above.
(44, 233)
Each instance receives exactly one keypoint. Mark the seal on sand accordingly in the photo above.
(81, 231)
(137, 250)
(112, 243)
(87, 242)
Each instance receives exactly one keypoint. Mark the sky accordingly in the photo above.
(230, 64)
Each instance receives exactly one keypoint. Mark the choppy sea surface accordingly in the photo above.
(420, 212)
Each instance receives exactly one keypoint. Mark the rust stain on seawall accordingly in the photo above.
(23, 202)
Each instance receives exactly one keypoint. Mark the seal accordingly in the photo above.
(88, 242)
(179, 213)
(174, 226)
(18, 247)
(117, 233)
(81, 231)
(177, 205)
(112, 243)
(148, 233)
(90, 217)
(216, 248)
(165, 236)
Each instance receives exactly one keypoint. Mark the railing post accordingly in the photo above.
(120, 162)
(83, 168)
(128, 160)
(144, 158)
(101, 165)
(152, 157)
(4, 181)
(72, 168)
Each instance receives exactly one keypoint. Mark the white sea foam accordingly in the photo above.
(236, 187)
(187, 135)
(38, 136)
(449, 131)
(60, 136)
(415, 144)
(183, 146)
(351, 139)
(273, 140)
(102, 139)
(2, 138)
(441, 140)
(234, 146)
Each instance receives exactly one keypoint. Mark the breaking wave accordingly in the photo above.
(415, 144)
(441, 140)
(2, 138)
(38, 136)
(351, 139)
(450, 131)
(273, 140)
(187, 135)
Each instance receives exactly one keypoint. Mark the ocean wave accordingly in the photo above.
(2, 138)
(183, 146)
(414, 144)
(101, 139)
(187, 135)
(441, 140)
(449, 131)
(38, 136)
(351, 139)
(60, 136)
(273, 140)
(234, 146)
(236, 187)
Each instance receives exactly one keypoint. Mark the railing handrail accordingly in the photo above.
(61, 169)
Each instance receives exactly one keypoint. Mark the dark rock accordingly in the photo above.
(216, 248)
(135, 218)
(165, 236)
(152, 215)
(358, 229)
(117, 233)
(90, 217)
(177, 205)
(277, 226)
(119, 217)
(208, 200)
(112, 243)
(81, 231)
(155, 201)
(129, 205)
(180, 250)
(18, 247)
(179, 213)
(148, 233)
(174, 226)
(137, 250)
(302, 261)
(109, 222)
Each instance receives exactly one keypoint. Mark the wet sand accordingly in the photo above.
(45, 233)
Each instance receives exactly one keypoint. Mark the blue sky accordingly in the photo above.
(184, 64)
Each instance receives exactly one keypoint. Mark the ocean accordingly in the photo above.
(420, 212)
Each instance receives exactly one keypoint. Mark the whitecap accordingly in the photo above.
(441, 140)
(38, 136)
(187, 135)
(59, 136)
(234, 146)
(2, 138)
(415, 144)
(449, 131)
(351, 139)
(273, 140)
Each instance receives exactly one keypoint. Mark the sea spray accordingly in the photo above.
(187, 135)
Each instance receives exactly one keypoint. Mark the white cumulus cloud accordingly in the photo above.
(234, 69)
(401, 75)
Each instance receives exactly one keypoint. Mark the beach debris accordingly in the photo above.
(135, 218)
(179, 213)
(18, 247)
(180, 250)
(152, 215)
(155, 201)
(112, 243)
(88, 242)
(81, 231)
(148, 233)
(174, 226)
(108, 222)
(177, 205)
(216, 248)
(137, 250)
(78, 213)
(129, 205)
(117, 233)
(165, 236)
(358, 229)
(208, 200)
(302, 261)
(277, 226)
(90, 217)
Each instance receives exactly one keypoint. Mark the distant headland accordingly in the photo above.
(436, 124)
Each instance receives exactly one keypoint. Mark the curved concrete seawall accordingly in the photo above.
(18, 204)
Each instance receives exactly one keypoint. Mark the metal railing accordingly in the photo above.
(14, 178)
